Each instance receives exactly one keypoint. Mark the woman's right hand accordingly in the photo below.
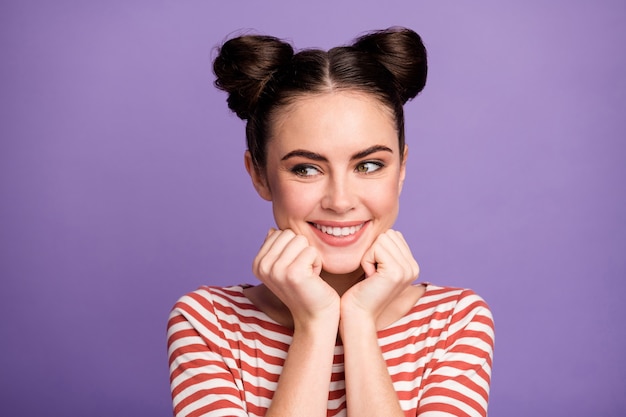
(291, 268)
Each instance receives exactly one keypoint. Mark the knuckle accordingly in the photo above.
(278, 266)
(293, 272)
(380, 239)
(309, 251)
(264, 268)
(300, 240)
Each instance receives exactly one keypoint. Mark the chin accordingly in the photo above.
(339, 265)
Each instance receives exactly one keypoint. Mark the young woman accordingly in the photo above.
(337, 326)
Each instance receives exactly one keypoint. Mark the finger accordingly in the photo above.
(404, 254)
(270, 238)
(291, 249)
(401, 244)
(396, 246)
(389, 259)
(271, 248)
(378, 256)
(308, 259)
(368, 262)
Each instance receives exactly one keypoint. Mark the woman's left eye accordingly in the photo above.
(368, 167)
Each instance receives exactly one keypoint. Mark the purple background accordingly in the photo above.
(122, 187)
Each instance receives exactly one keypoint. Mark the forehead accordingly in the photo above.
(332, 119)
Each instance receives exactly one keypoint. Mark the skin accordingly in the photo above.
(333, 160)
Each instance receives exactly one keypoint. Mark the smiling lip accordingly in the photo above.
(338, 234)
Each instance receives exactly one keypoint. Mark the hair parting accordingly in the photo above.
(262, 74)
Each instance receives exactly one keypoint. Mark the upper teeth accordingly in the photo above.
(339, 231)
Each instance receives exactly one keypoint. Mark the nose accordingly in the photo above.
(339, 195)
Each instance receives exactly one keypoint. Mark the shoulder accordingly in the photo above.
(225, 310)
(207, 306)
(457, 307)
(451, 299)
(466, 314)
(207, 299)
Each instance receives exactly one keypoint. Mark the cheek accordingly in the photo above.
(385, 201)
(384, 195)
(292, 201)
(384, 204)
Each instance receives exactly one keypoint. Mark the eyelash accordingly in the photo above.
(301, 169)
(377, 164)
(297, 170)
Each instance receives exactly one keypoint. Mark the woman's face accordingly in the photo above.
(334, 174)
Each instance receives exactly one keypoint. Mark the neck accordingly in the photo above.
(342, 282)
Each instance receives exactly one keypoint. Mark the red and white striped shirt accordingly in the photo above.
(225, 355)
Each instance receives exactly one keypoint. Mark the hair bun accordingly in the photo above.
(402, 52)
(245, 65)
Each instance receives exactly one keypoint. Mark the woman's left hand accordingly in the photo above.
(389, 269)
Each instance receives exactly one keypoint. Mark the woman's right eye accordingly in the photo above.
(305, 170)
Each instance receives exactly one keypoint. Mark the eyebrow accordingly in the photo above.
(317, 157)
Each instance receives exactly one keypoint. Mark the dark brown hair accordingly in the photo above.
(262, 74)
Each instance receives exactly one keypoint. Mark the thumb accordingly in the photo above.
(316, 265)
(368, 263)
